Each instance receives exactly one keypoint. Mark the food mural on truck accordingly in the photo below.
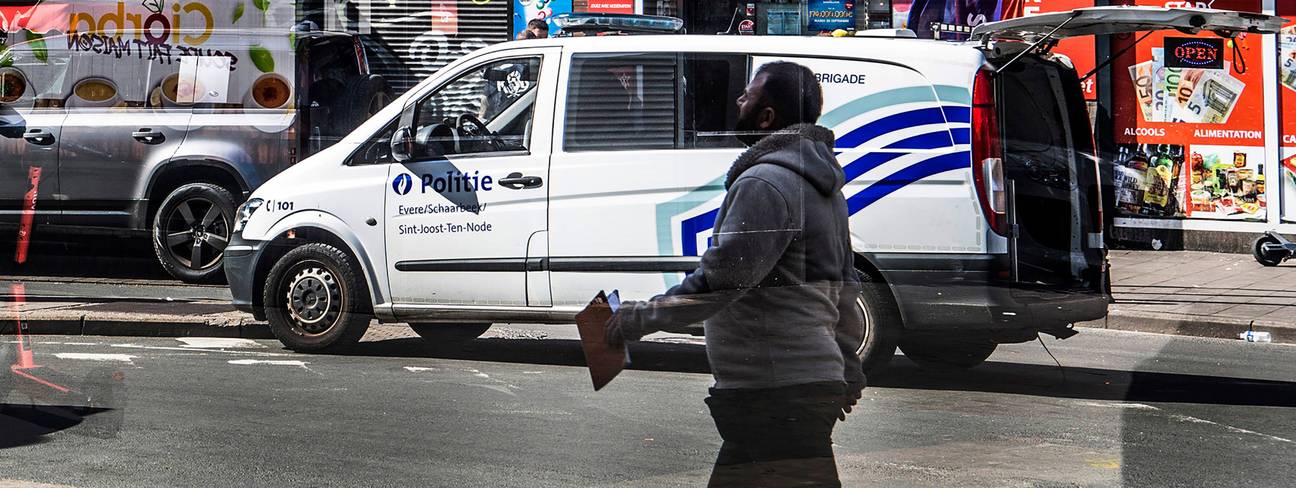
(1190, 140)
(155, 54)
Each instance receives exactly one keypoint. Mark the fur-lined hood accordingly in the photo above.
(806, 149)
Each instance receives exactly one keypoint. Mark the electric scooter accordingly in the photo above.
(1272, 249)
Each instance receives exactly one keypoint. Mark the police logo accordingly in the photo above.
(402, 184)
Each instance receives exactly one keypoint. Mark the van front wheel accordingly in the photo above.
(315, 301)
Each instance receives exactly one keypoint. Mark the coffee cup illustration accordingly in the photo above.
(13, 85)
(270, 90)
(173, 91)
(94, 92)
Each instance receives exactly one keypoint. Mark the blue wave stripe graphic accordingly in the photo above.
(867, 162)
(889, 124)
(691, 227)
(930, 140)
(898, 180)
(961, 136)
(957, 114)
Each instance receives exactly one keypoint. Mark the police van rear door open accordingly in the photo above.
(1053, 218)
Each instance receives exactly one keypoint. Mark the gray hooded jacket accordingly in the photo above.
(777, 288)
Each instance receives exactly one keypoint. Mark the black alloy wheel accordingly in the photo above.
(191, 230)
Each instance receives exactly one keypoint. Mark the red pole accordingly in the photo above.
(28, 214)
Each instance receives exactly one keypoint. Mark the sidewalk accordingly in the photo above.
(1171, 292)
(1200, 294)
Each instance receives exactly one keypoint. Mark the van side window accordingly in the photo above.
(712, 84)
(376, 149)
(620, 102)
(487, 109)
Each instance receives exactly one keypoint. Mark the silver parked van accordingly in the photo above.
(162, 124)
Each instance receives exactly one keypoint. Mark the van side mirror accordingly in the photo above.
(402, 145)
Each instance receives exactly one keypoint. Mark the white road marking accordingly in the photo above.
(219, 343)
(190, 349)
(418, 369)
(125, 358)
(245, 362)
(1195, 420)
(1135, 406)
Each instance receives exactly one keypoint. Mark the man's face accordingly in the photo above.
(753, 116)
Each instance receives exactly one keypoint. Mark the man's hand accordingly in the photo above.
(617, 330)
(854, 391)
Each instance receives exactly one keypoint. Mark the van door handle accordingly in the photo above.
(518, 182)
(148, 136)
(40, 137)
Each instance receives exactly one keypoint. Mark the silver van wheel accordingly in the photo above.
(316, 299)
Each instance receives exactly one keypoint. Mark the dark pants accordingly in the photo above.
(777, 436)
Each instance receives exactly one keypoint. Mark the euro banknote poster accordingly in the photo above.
(1211, 120)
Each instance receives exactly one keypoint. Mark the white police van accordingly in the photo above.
(519, 180)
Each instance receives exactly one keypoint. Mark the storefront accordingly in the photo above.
(408, 40)
(1195, 137)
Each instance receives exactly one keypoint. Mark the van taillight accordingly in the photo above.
(362, 60)
(987, 154)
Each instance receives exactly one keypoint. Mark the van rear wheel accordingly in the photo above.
(881, 325)
(315, 300)
(449, 333)
(947, 350)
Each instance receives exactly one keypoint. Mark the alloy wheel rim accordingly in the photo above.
(196, 233)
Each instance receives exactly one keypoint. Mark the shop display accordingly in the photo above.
(1226, 182)
(1148, 180)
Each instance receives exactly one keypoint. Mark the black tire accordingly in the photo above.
(362, 98)
(193, 225)
(315, 299)
(1267, 258)
(449, 333)
(947, 351)
(882, 325)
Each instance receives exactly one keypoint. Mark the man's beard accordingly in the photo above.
(747, 130)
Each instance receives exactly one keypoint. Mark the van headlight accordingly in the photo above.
(245, 212)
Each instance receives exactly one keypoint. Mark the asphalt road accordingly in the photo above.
(516, 409)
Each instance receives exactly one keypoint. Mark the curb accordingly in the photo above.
(137, 328)
(1190, 325)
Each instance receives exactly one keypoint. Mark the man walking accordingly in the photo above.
(777, 292)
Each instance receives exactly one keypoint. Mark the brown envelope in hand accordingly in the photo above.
(605, 361)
